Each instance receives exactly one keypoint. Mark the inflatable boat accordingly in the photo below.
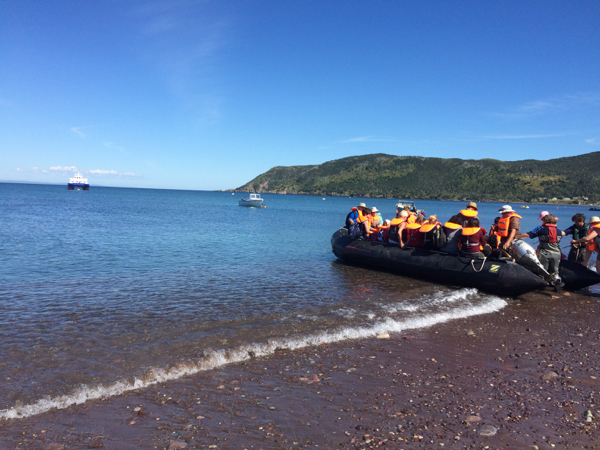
(502, 277)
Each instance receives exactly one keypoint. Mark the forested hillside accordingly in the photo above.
(383, 175)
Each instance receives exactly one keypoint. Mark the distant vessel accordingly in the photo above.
(525, 207)
(255, 200)
(78, 183)
(411, 205)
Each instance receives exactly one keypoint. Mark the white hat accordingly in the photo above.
(594, 219)
(403, 213)
(362, 204)
(505, 209)
(374, 209)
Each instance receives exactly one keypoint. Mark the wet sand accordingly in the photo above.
(525, 376)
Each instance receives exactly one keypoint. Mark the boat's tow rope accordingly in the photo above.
(482, 264)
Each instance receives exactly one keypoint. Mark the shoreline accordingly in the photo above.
(528, 374)
(549, 203)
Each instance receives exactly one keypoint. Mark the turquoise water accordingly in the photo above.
(114, 289)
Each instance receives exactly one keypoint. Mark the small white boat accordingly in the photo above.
(255, 200)
(411, 205)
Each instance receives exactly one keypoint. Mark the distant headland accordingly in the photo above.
(571, 180)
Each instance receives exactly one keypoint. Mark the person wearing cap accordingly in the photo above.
(376, 217)
(549, 249)
(508, 227)
(593, 241)
(542, 215)
(578, 230)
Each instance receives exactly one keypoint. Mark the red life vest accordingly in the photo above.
(415, 237)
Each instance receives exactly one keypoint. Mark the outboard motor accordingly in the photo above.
(525, 255)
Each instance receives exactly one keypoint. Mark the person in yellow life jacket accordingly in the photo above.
(593, 241)
(397, 226)
(508, 227)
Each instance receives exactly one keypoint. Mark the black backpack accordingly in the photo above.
(435, 239)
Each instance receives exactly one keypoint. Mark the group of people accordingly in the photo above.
(463, 235)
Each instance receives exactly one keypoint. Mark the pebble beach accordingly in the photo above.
(525, 377)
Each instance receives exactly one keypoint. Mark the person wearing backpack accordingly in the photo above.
(434, 237)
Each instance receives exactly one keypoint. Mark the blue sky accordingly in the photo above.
(188, 94)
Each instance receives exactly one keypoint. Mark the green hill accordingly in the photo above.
(390, 176)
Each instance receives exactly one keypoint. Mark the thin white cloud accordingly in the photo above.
(367, 139)
(550, 105)
(114, 146)
(19, 169)
(592, 141)
(111, 173)
(63, 169)
(78, 132)
(524, 136)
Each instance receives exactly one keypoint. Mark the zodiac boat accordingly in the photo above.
(502, 277)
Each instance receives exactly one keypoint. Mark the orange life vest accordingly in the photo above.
(452, 225)
(411, 218)
(428, 227)
(468, 213)
(470, 231)
(413, 231)
(504, 224)
(592, 244)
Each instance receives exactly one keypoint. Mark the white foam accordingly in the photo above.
(219, 358)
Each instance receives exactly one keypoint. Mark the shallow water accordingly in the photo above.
(113, 289)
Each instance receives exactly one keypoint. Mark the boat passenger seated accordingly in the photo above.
(472, 240)
(434, 237)
(453, 232)
(397, 226)
(413, 233)
(376, 218)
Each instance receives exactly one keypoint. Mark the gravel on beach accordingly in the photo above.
(525, 377)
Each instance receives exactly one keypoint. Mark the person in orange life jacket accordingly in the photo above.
(472, 240)
(593, 241)
(414, 235)
(411, 215)
(550, 237)
(382, 232)
(364, 219)
(494, 240)
(376, 217)
(579, 229)
(508, 227)
(397, 226)
(468, 213)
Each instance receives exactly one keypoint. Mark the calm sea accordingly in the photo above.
(114, 289)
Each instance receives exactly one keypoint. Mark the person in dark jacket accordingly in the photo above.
(578, 230)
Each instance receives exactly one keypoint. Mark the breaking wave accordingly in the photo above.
(218, 358)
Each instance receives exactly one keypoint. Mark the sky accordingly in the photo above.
(206, 95)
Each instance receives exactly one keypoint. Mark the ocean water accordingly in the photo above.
(109, 290)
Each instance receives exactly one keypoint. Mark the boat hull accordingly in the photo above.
(497, 277)
(575, 276)
(73, 186)
(251, 203)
